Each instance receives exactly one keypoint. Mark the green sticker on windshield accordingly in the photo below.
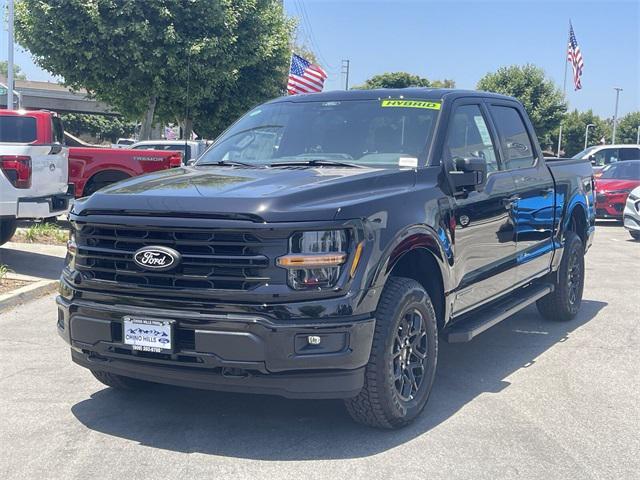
(411, 104)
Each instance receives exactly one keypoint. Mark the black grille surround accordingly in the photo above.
(212, 259)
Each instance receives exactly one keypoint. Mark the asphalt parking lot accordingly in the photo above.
(527, 399)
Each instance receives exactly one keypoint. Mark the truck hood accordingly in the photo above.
(289, 194)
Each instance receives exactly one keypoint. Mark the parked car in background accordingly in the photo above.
(34, 168)
(323, 246)
(191, 149)
(603, 155)
(123, 143)
(631, 214)
(613, 187)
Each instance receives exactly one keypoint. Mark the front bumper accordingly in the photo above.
(610, 206)
(44, 207)
(230, 352)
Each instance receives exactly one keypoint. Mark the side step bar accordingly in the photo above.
(473, 324)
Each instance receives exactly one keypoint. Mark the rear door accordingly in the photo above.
(534, 190)
(485, 242)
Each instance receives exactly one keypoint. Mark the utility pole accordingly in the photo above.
(345, 72)
(586, 134)
(615, 115)
(10, 84)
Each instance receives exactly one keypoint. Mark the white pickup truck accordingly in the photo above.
(34, 168)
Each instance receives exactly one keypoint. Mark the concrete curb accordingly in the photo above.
(26, 293)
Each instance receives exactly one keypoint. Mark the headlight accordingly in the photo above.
(315, 259)
(634, 197)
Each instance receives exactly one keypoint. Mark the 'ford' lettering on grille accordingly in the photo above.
(156, 258)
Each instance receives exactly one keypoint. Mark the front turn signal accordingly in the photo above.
(356, 259)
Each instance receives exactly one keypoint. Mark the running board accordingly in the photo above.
(473, 324)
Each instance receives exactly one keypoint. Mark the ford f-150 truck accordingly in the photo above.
(34, 174)
(324, 245)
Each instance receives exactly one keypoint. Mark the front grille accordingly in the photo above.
(212, 259)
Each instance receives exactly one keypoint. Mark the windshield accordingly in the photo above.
(362, 132)
(623, 171)
(584, 152)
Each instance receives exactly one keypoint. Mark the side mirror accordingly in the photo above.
(470, 172)
(592, 159)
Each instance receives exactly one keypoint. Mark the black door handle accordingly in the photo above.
(507, 202)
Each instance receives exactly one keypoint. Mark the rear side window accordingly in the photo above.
(630, 154)
(516, 144)
(14, 129)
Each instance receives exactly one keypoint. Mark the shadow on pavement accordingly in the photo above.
(273, 428)
(32, 263)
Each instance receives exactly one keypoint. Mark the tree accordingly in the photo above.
(539, 95)
(627, 130)
(140, 57)
(574, 127)
(17, 71)
(403, 80)
(98, 126)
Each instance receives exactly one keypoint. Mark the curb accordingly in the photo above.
(26, 293)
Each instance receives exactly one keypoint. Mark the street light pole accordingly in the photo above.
(615, 115)
(638, 136)
(10, 84)
(586, 134)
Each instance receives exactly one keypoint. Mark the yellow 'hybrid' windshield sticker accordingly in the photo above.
(411, 104)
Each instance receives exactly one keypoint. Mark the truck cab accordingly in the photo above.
(34, 168)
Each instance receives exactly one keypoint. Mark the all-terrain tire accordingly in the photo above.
(381, 403)
(8, 227)
(564, 302)
(118, 382)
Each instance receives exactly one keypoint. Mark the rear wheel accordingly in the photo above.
(101, 180)
(118, 382)
(402, 365)
(8, 227)
(564, 302)
(635, 235)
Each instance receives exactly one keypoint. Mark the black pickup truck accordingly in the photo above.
(324, 245)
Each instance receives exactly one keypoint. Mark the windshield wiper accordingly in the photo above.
(226, 163)
(313, 162)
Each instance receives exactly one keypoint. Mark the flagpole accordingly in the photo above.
(564, 94)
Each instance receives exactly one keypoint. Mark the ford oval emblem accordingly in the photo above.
(156, 258)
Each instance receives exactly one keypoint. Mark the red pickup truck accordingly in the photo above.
(91, 168)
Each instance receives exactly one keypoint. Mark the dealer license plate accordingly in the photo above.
(148, 335)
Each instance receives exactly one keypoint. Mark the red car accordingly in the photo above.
(613, 187)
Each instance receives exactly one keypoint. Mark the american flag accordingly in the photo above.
(304, 76)
(575, 57)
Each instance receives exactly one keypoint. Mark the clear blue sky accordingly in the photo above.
(465, 40)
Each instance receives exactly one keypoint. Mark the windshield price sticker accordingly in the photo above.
(411, 104)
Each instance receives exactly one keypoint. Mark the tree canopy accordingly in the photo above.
(403, 80)
(98, 126)
(17, 71)
(574, 128)
(627, 130)
(540, 96)
(137, 56)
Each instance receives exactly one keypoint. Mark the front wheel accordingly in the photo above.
(564, 302)
(118, 382)
(402, 364)
(634, 234)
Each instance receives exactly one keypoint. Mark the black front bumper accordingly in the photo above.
(230, 352)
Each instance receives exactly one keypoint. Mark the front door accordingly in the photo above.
(484, 242)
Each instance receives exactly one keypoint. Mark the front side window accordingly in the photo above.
(365, 132)
(516, 144)
(605, 156)
(468, 136)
